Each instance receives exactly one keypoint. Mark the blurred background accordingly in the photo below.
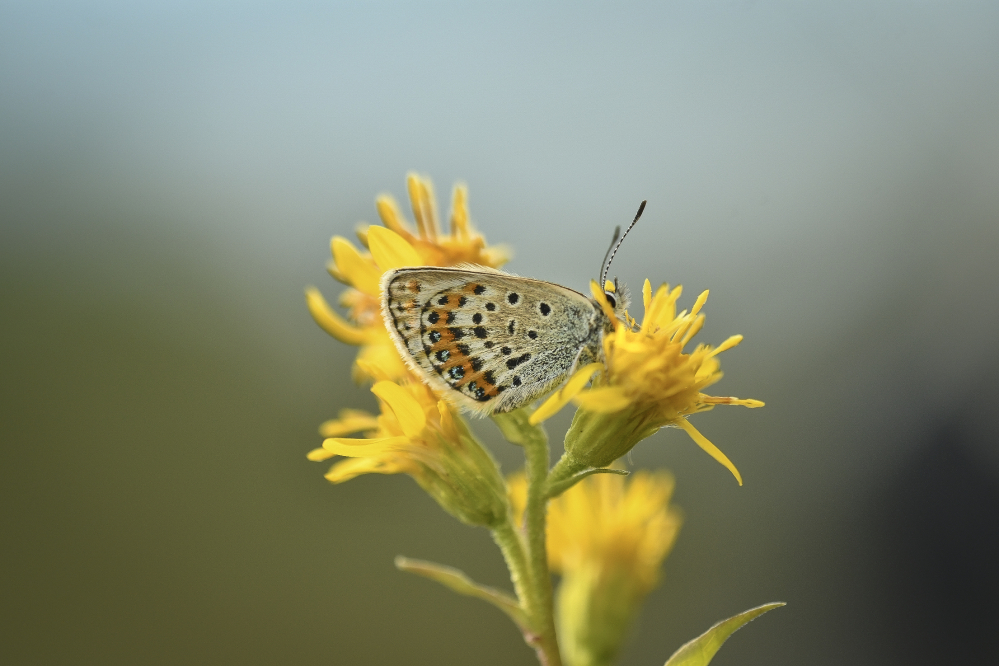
(170, 176)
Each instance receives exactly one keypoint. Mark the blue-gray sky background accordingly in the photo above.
(170, 176)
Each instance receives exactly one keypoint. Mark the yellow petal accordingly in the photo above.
(331, 322)
(647, 294)
(350, 420)
(560, 398)
(359, 448)
(710, 448)
(392, 218)
(728, 344)
(407, 410)
(380, 361)
(349, 469)
(699, 303)
(317, 455)
(459, 213)
(719, 400)
(361, 272)
(604, 400)
(600, 297)
(391, 250)
(421, 196)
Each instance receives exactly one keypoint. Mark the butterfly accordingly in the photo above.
(490, 341)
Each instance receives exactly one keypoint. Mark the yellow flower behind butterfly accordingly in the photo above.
(607, 536)
(646, 381)
(418, 435)
(395, 245)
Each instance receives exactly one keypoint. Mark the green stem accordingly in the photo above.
(536, 452)
(537, 596)
(509, 542)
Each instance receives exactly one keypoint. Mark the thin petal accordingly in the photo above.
(710, 448)
(392, 218)
(350, 421)
(320, 454)
(407, 410)
(331, 322)
(391, 250)
(719, 400)
(363, 274)
(560, 398)
(360, 448)
(349, 469)
(459, 213)
(699, 303)
(728, 344)
(604, 400)
(421, 196)
(647, 294)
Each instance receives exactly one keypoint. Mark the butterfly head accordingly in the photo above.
(619, 298)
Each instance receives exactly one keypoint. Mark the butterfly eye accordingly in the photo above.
(611, 299)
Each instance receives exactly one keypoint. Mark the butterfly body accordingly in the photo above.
(486, 340)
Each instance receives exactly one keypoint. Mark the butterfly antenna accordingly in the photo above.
(617, 234)
(616, 243)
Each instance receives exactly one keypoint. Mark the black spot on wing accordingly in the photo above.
(477, 318)
(514, 362)
(491, 307)
(480, 332)
(479, 290)
(545, 309)
(513, 298)
(532, 334)
(511, 326)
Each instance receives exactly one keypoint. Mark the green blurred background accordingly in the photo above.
(170, 176)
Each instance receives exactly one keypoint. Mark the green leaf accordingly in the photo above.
(702, 649)
(558, 487)
(462, 584)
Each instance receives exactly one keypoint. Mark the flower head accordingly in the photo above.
(646, 381)
(607, 536)
(418, 435)
(394, 245)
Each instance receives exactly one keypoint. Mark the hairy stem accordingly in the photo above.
(536, 452)
(537, 598)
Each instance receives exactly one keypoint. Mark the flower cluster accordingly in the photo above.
(607, 537)
(417, 434)
(391, 246)
(646, 381)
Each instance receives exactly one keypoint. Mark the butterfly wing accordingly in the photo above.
(487, 340)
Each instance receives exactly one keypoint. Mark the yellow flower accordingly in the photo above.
(607, 537)
(394, 245)
(419, 435)
(646, 381)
